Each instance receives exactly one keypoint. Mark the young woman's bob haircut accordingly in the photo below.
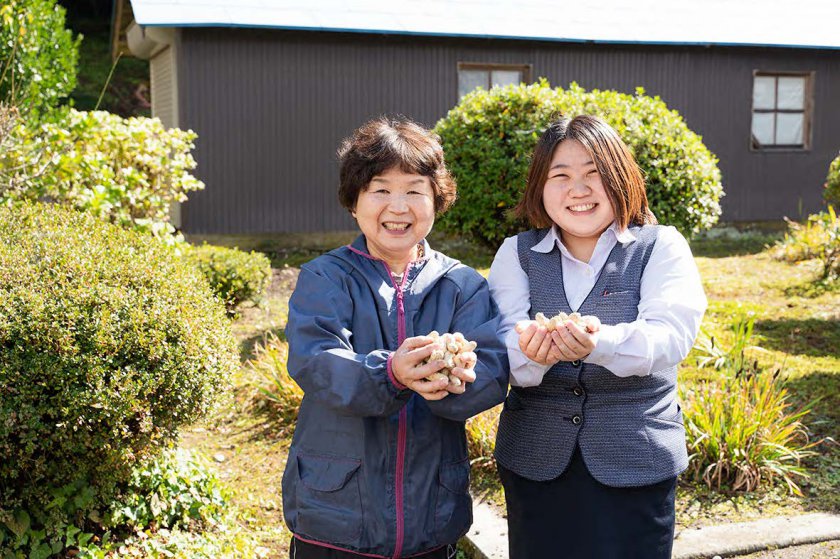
(386, 142)
(620, 174)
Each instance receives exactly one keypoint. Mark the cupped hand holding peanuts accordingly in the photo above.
(560, 338)
(418, 364)
(460, 359)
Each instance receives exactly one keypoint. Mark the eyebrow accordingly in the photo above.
(564, 166)
(386, 181)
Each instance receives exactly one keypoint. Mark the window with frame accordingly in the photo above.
(781, 112)
(473, 75)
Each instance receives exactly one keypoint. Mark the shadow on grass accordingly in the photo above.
(247, 345)
(811, 336)
(813, 289)
(822, 389)
(724, 247)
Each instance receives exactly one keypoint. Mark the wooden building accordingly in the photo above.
(271, 87)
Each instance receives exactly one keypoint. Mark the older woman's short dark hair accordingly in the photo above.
(385, 142)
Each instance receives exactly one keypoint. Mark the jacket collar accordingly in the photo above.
(359, 246)
(552, 238)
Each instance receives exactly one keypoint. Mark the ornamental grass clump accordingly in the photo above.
(481, 439)
(490, 135)
(276, 386)
(109, 343)
(741, 430)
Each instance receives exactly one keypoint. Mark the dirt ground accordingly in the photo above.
(242, 436)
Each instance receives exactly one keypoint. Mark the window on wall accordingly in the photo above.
(781, 114)
(471, 75)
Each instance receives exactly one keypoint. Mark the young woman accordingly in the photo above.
(591, 438)
(378, 465)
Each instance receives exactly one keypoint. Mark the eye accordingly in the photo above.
(380, 191)
(415, 192)
(560, 176)
(592, 172)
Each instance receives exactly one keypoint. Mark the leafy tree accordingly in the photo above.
(38, 55)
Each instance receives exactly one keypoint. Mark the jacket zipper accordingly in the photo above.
(403, 421)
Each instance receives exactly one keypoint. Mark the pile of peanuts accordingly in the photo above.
(453, 346)
(587, 323)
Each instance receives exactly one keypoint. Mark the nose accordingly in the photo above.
(579, 188)
(398, 203)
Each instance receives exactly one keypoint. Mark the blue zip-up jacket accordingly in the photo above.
(375, 468)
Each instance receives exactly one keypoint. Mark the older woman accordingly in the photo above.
(378, 466)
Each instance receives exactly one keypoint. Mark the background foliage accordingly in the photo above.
(38, 56)
(832, 184)
(489, 136)
(125, 170)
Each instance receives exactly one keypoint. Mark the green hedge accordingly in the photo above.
(489, 136)
(234, 275)
(109, 343)
(832, 184)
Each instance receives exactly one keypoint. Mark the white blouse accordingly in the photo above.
(670, 309)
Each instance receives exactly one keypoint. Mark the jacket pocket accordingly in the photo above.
(329, 501)
(453, 511)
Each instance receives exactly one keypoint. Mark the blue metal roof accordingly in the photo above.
(804, 24)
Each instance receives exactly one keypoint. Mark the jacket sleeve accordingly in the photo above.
(321, 355)
(477, 317)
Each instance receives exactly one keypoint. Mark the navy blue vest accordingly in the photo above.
(630, 430)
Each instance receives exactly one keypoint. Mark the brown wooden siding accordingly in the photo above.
(271, 107)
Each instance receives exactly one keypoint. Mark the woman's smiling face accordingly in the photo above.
(395, 212)
(574, 196)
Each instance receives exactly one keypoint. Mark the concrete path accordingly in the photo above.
(488, 536)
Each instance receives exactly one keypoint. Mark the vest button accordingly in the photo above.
(576, 363)
(578, 391)
(576, 419)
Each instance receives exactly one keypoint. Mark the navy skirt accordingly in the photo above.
(577, 517)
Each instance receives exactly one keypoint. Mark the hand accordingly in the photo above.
(408, 368)
(465, 372)
(573, 342)
(536, 343)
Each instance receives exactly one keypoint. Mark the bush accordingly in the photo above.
(489, 136)
(108, 344)
(175, 490)
(173, 505)
(832, 184)
(124, 170)
(817, 238)
(234, 275)
(740, 429)
(38, 56)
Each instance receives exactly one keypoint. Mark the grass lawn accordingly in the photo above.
(797, 326)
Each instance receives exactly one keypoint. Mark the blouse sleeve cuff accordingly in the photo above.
(604, 351)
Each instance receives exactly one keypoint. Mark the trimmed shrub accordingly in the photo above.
(109, 343)
(489, 136)
(234, 275)
(832, 184)
(38, 56)
(124, 170)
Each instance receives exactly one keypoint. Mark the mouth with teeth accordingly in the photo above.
(395, 226)
(582, 208)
